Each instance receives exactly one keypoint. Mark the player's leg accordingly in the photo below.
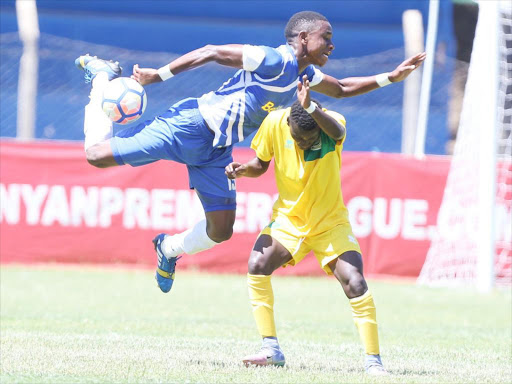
(217, 227)
(217, 195)
(100, 155)
(137, 145)
(267, 255)
(339, 254)
(97, 126)
(348, 269)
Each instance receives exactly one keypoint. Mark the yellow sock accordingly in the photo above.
(365, 318)
(262, 301)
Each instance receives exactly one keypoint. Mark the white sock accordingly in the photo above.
(97, 126)
(191, 241)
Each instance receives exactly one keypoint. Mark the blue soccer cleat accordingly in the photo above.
(91, 65)
(165, 269)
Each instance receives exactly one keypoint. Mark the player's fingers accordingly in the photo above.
(239, 171)
(305, 80)
(229, 171)
(418, 55)
(419, 58)
(407, 67)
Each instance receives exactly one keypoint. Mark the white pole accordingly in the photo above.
(28, 26)
(486, 53)
(412, 23)
(426, 82)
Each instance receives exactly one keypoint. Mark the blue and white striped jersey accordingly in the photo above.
(268, 81)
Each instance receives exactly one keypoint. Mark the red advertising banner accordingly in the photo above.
(55, 207)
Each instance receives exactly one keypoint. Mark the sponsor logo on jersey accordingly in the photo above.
(270, 106)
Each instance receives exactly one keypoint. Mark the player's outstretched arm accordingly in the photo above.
(253, 168)
(353, 86)
(230, 55)
(326, 123)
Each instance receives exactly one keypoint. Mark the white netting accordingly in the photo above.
(453, 255)
(504, 151)
(374, 119)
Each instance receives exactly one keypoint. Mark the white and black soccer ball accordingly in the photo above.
(124, 100)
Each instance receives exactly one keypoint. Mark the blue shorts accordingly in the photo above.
(181, 135)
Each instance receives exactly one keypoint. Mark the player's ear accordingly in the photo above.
(303, 37)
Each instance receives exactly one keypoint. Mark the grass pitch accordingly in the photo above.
(92, 325)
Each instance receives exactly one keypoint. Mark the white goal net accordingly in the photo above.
(473, 241)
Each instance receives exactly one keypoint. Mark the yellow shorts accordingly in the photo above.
(326, 246)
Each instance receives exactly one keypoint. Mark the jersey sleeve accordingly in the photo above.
(340, 119)
(262, 60)
(315, 76)
(263, 143)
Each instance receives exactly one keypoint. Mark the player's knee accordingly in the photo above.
(221, 234)
(93, 157)
(258, 265)
(355, 285)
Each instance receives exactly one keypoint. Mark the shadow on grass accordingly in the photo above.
(413, 372)
(358, 370)
(331, 369)
(213, 363)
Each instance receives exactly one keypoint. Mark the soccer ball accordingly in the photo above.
(124, 100)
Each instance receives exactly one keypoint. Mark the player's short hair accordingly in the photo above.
(302, 21)
(303, 119)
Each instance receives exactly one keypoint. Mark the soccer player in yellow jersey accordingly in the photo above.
(309, 215)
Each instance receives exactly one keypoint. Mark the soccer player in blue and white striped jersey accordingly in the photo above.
(200, 132)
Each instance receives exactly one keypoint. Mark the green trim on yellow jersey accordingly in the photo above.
(327, 144)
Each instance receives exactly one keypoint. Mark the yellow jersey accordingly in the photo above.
(308, 181)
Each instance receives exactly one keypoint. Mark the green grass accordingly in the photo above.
(92, 325)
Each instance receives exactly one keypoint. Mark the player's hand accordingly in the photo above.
(145, 75)
(405, 69)
(235, 170)
(303, 92)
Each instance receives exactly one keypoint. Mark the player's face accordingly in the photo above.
(304, 139)
(319, 44)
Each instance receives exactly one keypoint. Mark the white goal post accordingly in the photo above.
(473, 241)
(412, 22)
(28, 26)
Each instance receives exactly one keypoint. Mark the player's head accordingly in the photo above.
(303, 128)
(311, 34)
(306, 21)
